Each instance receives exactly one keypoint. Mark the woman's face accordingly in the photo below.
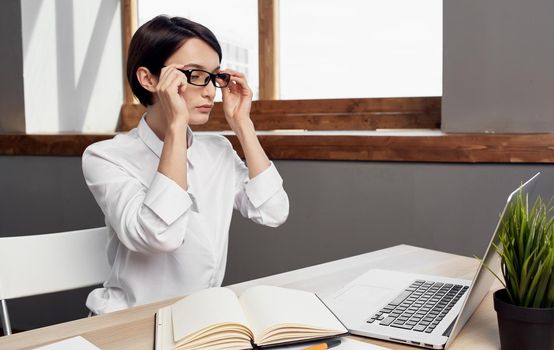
(196, 54)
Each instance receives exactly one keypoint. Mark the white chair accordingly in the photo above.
(46, 263)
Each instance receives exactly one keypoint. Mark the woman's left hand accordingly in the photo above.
(237, 99)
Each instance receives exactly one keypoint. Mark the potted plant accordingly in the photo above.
(525, 307)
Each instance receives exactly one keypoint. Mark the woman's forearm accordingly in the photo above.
(173, 160)
(256, 159)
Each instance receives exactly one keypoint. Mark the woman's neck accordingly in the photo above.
(156, 121)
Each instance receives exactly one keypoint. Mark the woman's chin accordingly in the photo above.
(199, 118)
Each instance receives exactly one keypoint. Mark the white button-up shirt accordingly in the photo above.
(165, 241)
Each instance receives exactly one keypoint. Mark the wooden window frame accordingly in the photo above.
(268, 49)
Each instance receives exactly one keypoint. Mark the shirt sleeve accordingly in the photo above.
(261, 199)
(146, 219)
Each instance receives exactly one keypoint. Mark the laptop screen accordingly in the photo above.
(483, 279)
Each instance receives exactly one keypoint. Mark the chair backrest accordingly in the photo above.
(38, 264)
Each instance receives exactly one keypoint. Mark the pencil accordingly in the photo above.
(324, 346)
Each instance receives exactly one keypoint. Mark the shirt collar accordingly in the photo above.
(156, 145)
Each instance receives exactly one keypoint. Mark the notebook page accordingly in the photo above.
(267, 306)
(204, 309)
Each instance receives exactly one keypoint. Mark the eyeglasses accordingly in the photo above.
(199, 77)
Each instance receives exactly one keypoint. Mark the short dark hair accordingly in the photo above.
(155, 41)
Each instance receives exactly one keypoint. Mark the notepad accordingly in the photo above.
(75, 343)
(216, 318)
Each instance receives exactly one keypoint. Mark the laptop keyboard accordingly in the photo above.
(421, 306)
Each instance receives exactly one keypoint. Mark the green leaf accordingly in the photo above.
(526, 248)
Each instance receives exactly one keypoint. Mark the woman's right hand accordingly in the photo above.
(169, 91)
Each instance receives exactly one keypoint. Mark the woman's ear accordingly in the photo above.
(147, 79)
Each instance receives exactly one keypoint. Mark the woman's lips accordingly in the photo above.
(204, 108)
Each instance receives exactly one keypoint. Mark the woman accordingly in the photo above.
(167, 194)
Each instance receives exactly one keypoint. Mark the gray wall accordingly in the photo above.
(12, 105)
(497, 66)
(338, 209)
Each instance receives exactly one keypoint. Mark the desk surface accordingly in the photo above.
(134, 328)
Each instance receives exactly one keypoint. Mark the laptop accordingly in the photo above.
(420, 310)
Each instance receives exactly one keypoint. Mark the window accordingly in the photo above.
(353, 49)
(372, 50)
(71, 65)
(67, 69)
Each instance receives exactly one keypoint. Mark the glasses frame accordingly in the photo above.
(226, 77)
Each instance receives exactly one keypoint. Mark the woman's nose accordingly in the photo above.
(209, 90)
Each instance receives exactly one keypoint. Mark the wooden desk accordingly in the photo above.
(134, 328)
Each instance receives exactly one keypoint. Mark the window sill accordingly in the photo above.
(395, 146)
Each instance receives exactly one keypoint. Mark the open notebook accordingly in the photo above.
(262, 316)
